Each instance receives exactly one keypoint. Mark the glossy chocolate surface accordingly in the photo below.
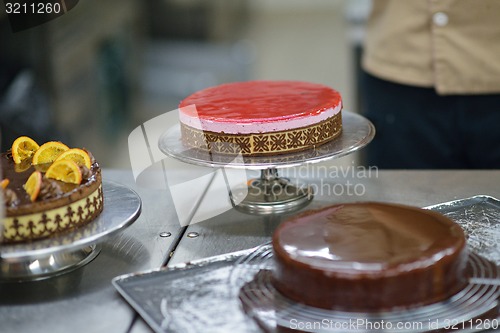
(18, 174)
(369, 257)
(369, 237)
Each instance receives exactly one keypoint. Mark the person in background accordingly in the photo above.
(431, 84)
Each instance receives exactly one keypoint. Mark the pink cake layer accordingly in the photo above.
(259, 106)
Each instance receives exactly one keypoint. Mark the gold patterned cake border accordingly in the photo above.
(259, 144)
(54, 221)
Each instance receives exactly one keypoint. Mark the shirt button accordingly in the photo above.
(440, 19)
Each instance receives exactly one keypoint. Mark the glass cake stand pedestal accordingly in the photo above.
(68, 251)
(271, 194)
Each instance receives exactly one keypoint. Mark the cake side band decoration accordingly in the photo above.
(264, 143)
(53, 221)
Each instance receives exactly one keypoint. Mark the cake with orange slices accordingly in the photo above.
(257, 118)
(48, 189)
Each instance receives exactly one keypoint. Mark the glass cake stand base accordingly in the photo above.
(49, 265)
(63, 253)
(271, 194)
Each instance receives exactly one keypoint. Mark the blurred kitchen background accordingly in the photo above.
(91, 76)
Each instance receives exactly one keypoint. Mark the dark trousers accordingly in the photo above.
(419, 129)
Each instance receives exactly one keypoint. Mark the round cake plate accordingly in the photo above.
(471, 310)
(261, 198)
(60, 254)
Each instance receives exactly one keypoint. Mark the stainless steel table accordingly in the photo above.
(85, 301)
(233, 231)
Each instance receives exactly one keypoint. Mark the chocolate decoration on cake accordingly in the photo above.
(369, 257)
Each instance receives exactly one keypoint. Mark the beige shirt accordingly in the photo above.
(452, 45)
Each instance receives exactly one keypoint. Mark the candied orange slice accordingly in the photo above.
(77, 155)
(42, 167)
(23, 148)
(4, 183)
(33, 185)
(66, 171)
(23, 166)
(48, 152)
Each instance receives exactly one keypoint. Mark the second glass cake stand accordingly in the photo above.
(271, 193)
(62, 253)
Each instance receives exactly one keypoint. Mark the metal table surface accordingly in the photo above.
(234, 231)
(85, 301)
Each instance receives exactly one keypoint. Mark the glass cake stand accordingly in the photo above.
(271, 193)
(56, 255)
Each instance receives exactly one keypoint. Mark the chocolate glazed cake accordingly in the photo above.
(369, 257)
(60, 207)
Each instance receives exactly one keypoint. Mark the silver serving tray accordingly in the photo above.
(55, 255)
(207, 295)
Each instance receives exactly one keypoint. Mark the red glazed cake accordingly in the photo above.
(369, 257)
(56, 207)
(261, 117)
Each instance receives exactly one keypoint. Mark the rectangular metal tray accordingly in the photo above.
(479, 216)
(197, 296)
